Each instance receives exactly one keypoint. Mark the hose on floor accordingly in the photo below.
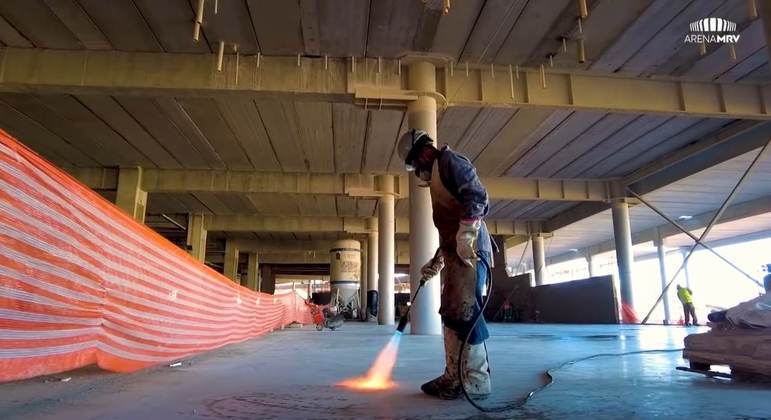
(549, 374)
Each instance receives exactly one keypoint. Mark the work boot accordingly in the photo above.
(447, 386)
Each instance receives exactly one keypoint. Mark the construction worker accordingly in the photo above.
(459, 203)
(686, 298)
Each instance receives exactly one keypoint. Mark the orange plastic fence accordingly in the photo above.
(81, 282)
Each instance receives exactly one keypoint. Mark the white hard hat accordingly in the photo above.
(409, 144)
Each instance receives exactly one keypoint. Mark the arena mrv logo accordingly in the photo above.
(712, 31)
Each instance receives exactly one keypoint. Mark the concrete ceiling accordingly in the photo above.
(634, 38)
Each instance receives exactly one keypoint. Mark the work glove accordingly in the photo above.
(466, 239)
(432, 267)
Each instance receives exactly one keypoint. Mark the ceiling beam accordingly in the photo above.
(727, 143)
(331, 224)
(737, 211)
(370, 82)
(353, 185)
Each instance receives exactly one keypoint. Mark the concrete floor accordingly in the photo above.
(288, 374)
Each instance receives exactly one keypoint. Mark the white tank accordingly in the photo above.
(345, 276)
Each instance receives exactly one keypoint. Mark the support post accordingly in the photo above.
(589, 262)
(684, 252)
(622, 235)
(267, 279)
(253, 272)
(231, 261)
(372, 257)
(539, 259)
(386, 251)
(659, 242)
(130, 197)
(424, 238)
(196, 236)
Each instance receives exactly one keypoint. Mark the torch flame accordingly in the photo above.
(378, 376)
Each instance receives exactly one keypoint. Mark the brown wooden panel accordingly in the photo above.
(279, 118)
(336, 28)
(604, 128)
(11, 37)
(314, 124)
(206, 115)
(455, 28)
(70, 120)
(42, 140)
(639, 145)
(516, 130)
(639, 34)
(243, 118)
(79, 23)
(532, 138)
(176, 115)
(172, 23)
(453, 123)
(277, 25)
(485, 127)
(147, 114)
(531, 27)
(396, 164)
(381, 139)
(649, 153)
(491, 29)
(38, 24)
(112, 113)
(607, 147)
(392, 27)
(669, 38)
(350, 130)
(231, 24)
(122, 24)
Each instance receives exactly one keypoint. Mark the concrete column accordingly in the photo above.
(539, 259)
(345, 272)
(622, 235)
(386, 250)
(267, 279)
(253, 272)
(590, 262)
(424, 238)
(363, 282)
(231, 261)
(372, 257)
(659, 242)
(684, 251)
(130, 197)
(196, 236)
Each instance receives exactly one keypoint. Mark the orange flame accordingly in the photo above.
(378, 376)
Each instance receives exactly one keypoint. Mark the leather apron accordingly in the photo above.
(459, 281)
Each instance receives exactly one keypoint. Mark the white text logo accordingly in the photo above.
(712, 31)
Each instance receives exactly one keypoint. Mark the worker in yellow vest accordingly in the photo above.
(686, 298)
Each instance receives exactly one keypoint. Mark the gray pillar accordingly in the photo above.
(130, 196)
(590, 262)
(372, 256)
(386, 251)
(231, 261)
(659, 242)
(424, 238)
(622, 235)
(686, 273)
(539, 259)
(196, 236)
(252, 272)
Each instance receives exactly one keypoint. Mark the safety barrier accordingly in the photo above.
(82, 283)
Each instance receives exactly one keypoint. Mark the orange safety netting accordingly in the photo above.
(81, 282)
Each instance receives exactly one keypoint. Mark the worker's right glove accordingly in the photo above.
(432, 267)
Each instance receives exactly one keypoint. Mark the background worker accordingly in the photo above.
(686, 298)
(459, 203)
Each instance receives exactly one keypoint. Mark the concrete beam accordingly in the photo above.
(366, 81)
(735, 212)
(731, 141)
(353, 185)
(351, 225)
